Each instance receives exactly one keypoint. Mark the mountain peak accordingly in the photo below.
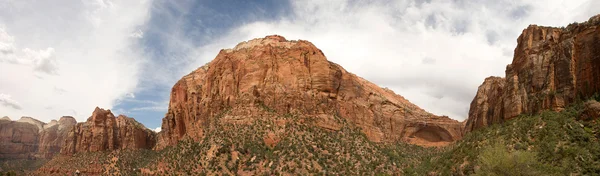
(274, 77)
(271, 40)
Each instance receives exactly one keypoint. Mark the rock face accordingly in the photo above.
(551, 68)
(18, 140)
(487, 107)
(274, 75)
(36, 122)
(53, 137)
(103, 131)
(29, 138)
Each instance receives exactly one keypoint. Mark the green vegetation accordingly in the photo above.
(301, 148)
(10, 173)
(543, 144)
(20, 166)
(498, 160)
(125, 162)
(550, 143)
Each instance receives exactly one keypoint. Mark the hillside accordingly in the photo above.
(550, 143)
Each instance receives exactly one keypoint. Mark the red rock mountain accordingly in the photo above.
(273, 74)
(53, 137)
(29, 138)
(104, 132)
(551, 68)
(18, 140)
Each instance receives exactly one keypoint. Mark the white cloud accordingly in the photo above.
(6, 44)
(157, 129)
(130, 95)
(41, 61)
(137, 34)
(7, 101)
(158, 108)
(69, 55)
(434, 53)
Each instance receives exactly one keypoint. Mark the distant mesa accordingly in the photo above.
(29, 138)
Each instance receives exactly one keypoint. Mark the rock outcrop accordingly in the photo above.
(551, 68)
(103, 132)
(29, 138)
(53, 137)
(18, 140)
(274, 75)
(35, 122)
(591, 110)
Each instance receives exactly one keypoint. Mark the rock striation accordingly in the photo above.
(551, 68)
(273, 75)
(18, 140)
(104, 132)
(29, 138)
(53, 137)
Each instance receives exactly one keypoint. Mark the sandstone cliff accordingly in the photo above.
(551, 68)
(29, 138)
(53, 137)
(272, 75)
(18, 140)
(103, 131)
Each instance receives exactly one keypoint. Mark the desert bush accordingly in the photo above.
(498, 160)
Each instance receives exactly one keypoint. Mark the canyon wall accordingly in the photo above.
(105, 132)
(551, 69)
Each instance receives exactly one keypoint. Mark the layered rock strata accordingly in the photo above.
(274, 75)
(104, 132)
(551, 68)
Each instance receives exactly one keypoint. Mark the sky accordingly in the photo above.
(66, 57)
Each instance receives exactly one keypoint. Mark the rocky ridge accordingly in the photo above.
(18, 140)
(551, 69)
(274, 75)
(29, 138)
(53, 137)
(105, 132)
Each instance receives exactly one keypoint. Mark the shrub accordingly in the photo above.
(497, 160)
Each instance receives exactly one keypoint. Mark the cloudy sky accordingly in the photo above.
(67, 57)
